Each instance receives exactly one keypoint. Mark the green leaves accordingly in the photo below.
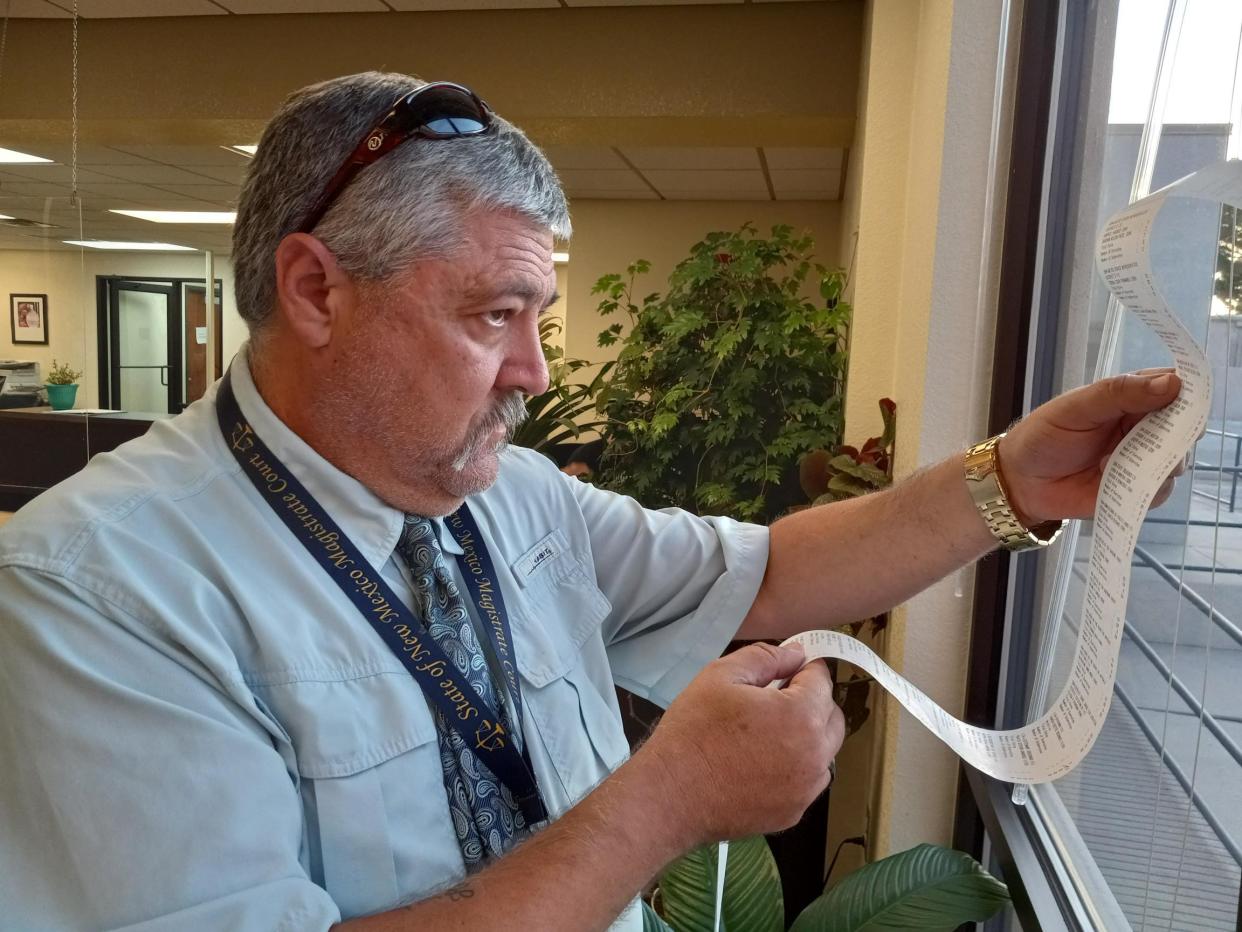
(725, 378)
(562, 413)
(753, 901)
(927, 887)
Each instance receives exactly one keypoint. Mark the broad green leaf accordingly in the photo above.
(753, 901)
(927, 888)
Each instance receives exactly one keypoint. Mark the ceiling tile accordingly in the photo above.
(426, 5)
(57, 174)
(803, 157)
(806, 196)
(128, 192)
(303, 6)
(645, 2)
(570, 157)
(669, 183)
(32, 207)
(34, 8)
(823, 182)
(116, 9)
(229, 174)
(644, 195)
(716, 195)
(151, 173)
(576, 180)
(186, 155)
(692, 158)
(34, 189)
(214, 193)
(62, 152)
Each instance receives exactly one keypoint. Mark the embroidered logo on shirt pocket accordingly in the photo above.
(536, 561)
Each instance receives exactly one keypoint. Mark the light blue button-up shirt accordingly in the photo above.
(199, 731)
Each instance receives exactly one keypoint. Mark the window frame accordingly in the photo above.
(1055, 49)
(1055, 53)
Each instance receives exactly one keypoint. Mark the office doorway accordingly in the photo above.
(153, 342)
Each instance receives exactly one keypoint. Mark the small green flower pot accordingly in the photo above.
(61, 397)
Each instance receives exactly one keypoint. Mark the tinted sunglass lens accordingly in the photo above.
(444, 111)
(454, 126)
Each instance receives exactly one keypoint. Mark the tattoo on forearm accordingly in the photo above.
(457, 894)
(462, 891)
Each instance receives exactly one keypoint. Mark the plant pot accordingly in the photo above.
(61, 397)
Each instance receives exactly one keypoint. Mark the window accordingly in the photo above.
(1147, 832)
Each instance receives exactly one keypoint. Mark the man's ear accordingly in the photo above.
(312, 290)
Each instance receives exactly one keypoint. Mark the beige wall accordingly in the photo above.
(68, 280)
(916, 204)
(609, 235)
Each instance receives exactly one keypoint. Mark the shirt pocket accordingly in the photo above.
(567, 683)
(378, 829)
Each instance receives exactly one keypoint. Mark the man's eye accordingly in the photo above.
(498, 317)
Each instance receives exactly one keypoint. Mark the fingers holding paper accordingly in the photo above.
(1052, 461)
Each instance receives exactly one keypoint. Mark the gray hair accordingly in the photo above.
(404, 207)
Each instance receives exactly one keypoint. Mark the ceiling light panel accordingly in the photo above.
(13, 157)
(180, 216)
(128, 247)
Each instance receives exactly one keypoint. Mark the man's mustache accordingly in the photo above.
(509, 412)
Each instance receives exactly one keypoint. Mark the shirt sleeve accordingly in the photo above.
(680, 587)
(137, 790)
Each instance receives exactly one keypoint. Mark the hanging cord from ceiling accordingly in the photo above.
(73, 170)
(4, 37)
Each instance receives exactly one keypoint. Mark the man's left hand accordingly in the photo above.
(1052, 461)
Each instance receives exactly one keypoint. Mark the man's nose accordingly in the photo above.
(526, 369)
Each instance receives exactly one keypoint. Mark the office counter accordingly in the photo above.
(40, 447)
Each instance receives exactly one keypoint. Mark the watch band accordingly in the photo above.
(983, 479)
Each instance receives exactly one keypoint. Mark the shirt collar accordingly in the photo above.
(371, 523)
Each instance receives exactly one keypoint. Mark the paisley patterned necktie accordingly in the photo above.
(485, 815)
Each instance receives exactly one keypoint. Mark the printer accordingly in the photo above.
(21, 384)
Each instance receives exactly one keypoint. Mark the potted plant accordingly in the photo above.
(723, 381)
(62, 386)
(927, 887)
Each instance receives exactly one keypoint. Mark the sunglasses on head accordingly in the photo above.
(440, 110)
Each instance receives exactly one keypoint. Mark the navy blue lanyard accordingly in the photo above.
(480, 726)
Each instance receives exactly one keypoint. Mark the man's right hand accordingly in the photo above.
(743, 759)
(729, 759)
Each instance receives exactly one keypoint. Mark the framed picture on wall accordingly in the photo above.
(28, 318)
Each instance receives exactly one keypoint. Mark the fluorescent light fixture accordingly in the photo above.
(560, 257)
(180, 216)
(11, 157)
(5, 217)
(116, 244)
(247, 151)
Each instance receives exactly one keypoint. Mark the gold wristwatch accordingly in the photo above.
(984, 481)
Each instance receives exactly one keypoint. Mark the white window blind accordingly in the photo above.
(1150, 825)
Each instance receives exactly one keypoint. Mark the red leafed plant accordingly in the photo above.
(848, 471)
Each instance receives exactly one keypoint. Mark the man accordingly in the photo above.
(263, 669)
